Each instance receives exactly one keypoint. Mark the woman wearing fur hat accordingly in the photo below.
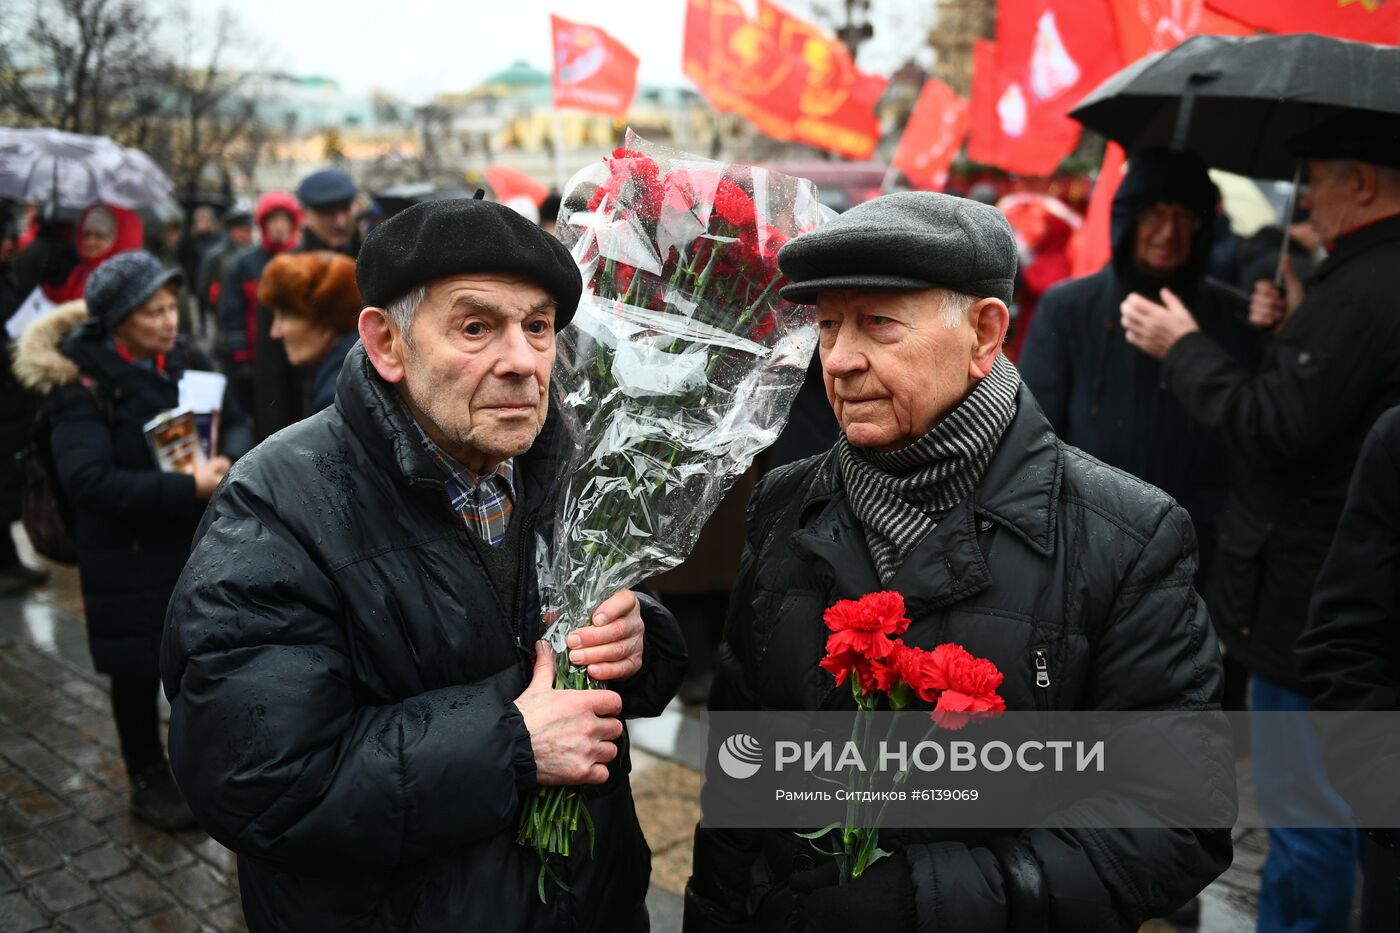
(315, 309)
(108, 364)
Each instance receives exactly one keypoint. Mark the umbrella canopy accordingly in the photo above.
(42, 166)
(1236, 101)
(1249, 207)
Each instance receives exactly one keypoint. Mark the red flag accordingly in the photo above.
(1146, 26)
(509, 183)
(1362, 20)
(784, 75)
(1092, 244)
(592, 70)
(1048, 55)
(931, 140)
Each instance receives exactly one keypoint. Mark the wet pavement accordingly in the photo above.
(71, 858)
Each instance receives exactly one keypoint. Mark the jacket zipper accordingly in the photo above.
(519, 605)
(1040, 660)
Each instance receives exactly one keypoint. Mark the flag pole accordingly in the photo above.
(559, 178)
(891, 176)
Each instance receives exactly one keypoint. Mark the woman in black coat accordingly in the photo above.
(109, 365)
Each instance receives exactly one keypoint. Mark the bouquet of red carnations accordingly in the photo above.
(681, 364)
(862, 647)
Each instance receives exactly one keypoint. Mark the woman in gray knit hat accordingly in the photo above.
(108, 364)
(948, 486)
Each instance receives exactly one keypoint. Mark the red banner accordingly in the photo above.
(1048, 55)
(1362, 20)
(1092, 244)
(1146, 26)
(784, 75)
(936, 129)
(592, 70)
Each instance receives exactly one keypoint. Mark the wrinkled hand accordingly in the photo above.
(208, 475)
(1270, 309)
(611, 648)
(572, 732)
(1155, 328)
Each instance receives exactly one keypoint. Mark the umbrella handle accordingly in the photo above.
(1187, 105)
(1287, 220)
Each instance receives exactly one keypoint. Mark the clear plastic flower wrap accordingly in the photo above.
(680, 366)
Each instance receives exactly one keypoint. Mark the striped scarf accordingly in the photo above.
(899, 497)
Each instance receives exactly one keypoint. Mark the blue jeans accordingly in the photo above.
(1309, 873)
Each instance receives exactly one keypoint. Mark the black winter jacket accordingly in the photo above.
(1294, 431)
(341, 671)
(1056, 562)
(135, 524)
(1350, 654)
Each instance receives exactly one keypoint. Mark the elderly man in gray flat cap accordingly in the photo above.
(948, 485)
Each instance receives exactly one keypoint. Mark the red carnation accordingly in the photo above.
(734, 205)
(864, 625)
(971, 689)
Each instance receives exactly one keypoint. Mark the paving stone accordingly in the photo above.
(13, 783)
(40, 806)
(60, 890)
(102, 863)
(228, 918)
(159, 851)
(72, 836)
(98, 803)
(136, 893)
(42, 765)
(28, 857)
(12, 824)
(200, 887)
(170, 920)
(93, 917)
(17, 915)
(215, 854)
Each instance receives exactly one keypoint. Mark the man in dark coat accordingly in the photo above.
(1294, 428)
(280, 389)
(1350, 654)
(1103, 396)
(948, 486)
(209, 282)
(359, 706)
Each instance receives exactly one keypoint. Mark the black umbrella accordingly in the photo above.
(1237, 101)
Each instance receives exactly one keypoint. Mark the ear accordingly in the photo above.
(990, 321)
(1368, 184)
(384, 345)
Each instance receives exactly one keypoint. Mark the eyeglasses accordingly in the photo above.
(1158, 216)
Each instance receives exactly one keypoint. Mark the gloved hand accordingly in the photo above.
(882, 898)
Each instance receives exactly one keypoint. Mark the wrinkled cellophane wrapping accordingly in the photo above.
(680, 366)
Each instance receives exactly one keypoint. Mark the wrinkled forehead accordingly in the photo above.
(876, 301)
(502, 294)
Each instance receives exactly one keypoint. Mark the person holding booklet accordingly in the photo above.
(109, 364)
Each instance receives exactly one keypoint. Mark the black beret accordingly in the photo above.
(461, 236)
(326, 187)
(1356, 134)
(905, 241)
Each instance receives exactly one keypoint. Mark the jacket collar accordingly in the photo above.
(372, 411)
(89, 347)
(1019, 491)
(1358, 242)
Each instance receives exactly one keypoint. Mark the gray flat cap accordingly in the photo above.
(905, 241)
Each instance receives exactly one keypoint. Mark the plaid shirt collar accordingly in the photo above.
(484, 501)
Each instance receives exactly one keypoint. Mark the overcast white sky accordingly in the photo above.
(416, 48)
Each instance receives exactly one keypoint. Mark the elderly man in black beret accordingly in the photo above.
(359, 701)
(948, 485)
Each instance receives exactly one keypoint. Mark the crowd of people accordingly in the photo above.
(1155, 465)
